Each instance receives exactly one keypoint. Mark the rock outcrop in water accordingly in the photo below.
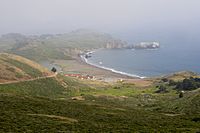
(145, 45)
(118, 44)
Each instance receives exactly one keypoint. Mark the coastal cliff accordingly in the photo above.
(115, 44)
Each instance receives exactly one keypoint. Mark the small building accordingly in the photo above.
(80, 76)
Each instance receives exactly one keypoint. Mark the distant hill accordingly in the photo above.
(13, 68)
(59, 46)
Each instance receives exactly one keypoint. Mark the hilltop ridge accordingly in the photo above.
(56, 46)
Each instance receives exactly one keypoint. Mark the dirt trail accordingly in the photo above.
(12, 82)
(66, 119)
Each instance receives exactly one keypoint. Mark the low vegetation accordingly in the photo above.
(65, 104)
(47, 105)
(47, 115)
(188, 84)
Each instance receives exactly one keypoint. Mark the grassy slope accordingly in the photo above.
(15, 68)
(33, 114)
(41, 52)
(45, 106)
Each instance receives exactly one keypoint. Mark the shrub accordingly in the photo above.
(164, 79)
(172, 83)
(180, 94)
(54, 69)
(162, 89)
(188, 84)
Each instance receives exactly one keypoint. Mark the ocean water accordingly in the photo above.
(168, 59)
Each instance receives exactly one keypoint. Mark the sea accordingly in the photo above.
(171, 57)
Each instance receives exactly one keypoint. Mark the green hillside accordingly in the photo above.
(63, 104)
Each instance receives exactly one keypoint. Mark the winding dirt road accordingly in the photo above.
(33, 79)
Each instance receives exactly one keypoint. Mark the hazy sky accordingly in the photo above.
(58, 16)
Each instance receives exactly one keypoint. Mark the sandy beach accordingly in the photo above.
(79, 66)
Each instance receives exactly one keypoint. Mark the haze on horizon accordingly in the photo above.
(119, 17)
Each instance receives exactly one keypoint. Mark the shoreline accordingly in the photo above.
(83, 59)
(81, 66)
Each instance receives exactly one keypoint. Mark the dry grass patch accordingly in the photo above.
(140, 82)
(26, 61)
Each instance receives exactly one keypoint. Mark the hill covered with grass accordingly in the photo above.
(14, 68)
(64, 104)
(59, 46)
